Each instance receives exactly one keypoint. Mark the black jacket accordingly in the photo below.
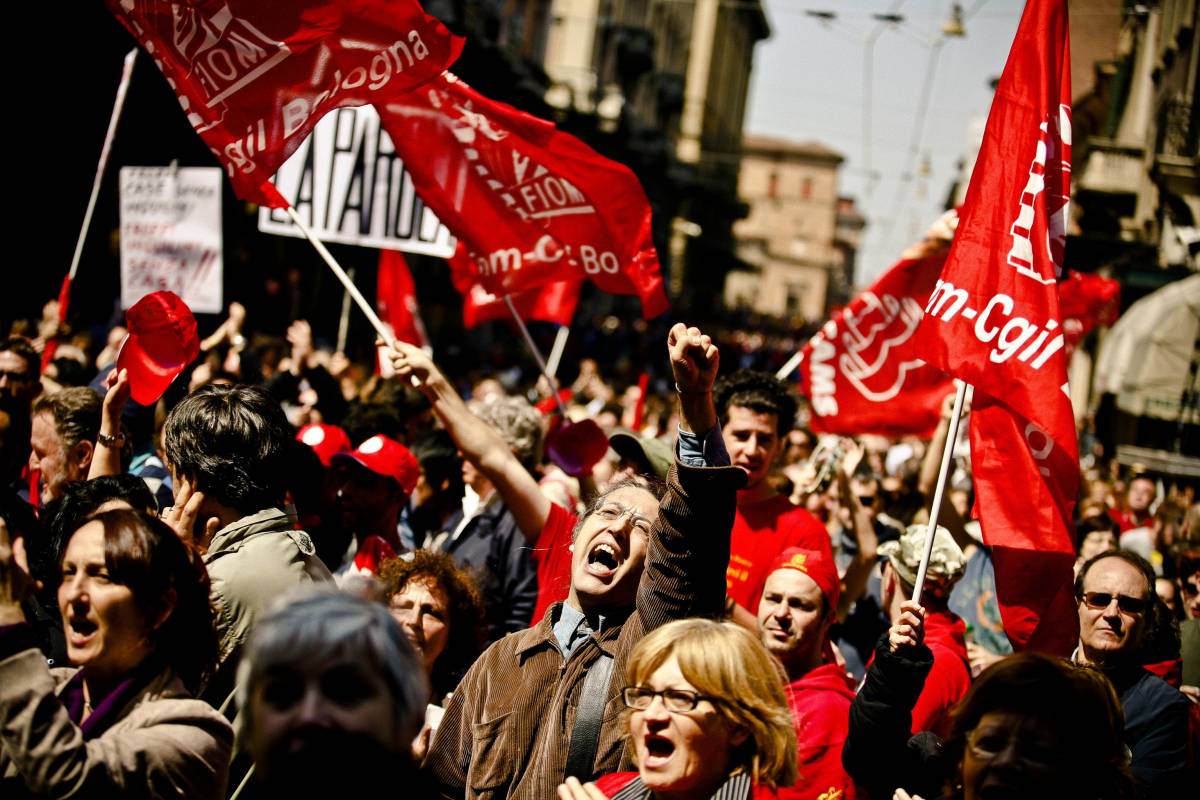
(1156, 732)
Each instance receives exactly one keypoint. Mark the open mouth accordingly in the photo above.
(658, 750)
(80, 630)
(603, 560)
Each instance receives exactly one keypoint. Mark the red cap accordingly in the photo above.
(817, 565)
(325, 440)
(161, 342)
(387, 457)
(576, 447)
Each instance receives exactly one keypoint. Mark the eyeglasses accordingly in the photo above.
(1102, 600)
(678, 700)
(16, 377)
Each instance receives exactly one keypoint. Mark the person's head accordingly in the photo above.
(1114, 592)
(327, 680)
(131, 589)
(609, 546)
(440, 610)
(1141, 494)
(62, 437)
(1096, 535)
(1188, 569)
(518, 423)
(798, 606)
(81, 500)
(799, 445)
(373, 483)
(1038, 727)
(706, 701)
(229, 442)
(1168, 592)
(946, 565)
(19, 365)
(756, 412)
(640, 455)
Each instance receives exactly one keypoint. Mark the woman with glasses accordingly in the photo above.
(1030, 727)
(707, 718)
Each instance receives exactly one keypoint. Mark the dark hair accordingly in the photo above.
(21, 347)
(1072, 700)
(466, 622)
(76, 413)
(79, 500)
(1187, 563)
(364, 420)
(1098, 524)
(1130, 558)
(144, 554)
(759, 392)
(440, 461)
(70, 372)
(232, 442)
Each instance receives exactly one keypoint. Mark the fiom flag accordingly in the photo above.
(529, 204)
(254, 77)
(396, 299)
(994, 321)
(861, 372)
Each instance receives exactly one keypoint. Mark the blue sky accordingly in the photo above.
(807, 85)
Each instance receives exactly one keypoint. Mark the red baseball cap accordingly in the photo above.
(326, 440)
(161, 342)
(386, 457)
(817, 565)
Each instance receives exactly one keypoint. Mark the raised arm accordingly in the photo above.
(859, 571)
(479, 442)
(106, 457)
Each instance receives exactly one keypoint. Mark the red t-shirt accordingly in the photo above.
(820, 706)
(761, 531)
(950, 676)
(552, 559)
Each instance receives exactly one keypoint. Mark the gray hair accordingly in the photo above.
(518, 423)
(319, 624)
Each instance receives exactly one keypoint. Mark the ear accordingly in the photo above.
(82, 454)
(170, 599)
(738, 735)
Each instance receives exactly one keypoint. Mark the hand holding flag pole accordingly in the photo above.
(960, 397)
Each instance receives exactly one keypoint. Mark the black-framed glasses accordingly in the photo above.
(1102, 600)
(680, 701)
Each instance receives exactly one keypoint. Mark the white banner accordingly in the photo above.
(171, 235)
(349, 186)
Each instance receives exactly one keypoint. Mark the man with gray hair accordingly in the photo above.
(483, 535)
(328, 683)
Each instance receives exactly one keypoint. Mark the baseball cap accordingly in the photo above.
(326, 440)
(162, 341)
(385, 457)
(653, 455)
(817, 565)
(946, 562)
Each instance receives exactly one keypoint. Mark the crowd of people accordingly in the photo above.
(432, 578)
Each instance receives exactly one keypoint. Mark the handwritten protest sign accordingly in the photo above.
(348, 184)
(171, 234)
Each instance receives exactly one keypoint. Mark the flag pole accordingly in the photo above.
(960, 397)
(344, 321)
(560, 344)
(351, 289)
(791, 364)
(537, 355)
(110, 134)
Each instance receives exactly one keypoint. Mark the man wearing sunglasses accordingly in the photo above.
(1115, 592)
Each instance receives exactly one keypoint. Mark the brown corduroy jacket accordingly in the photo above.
(507, 730)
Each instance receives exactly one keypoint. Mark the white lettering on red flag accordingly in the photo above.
(253, 77)
(530, 205)
(993, 320)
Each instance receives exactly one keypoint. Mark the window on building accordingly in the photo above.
(806, 188)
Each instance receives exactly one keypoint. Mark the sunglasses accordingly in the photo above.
(1102, 600)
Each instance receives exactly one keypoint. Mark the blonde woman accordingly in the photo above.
(707, 719)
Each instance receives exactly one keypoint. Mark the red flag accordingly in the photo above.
(396, 299)
(993, 320)
(1086, 301)
(553, 302)
(255, 77)
(861, 372)
(530, 205)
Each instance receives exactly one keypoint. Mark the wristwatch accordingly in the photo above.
(115, 440)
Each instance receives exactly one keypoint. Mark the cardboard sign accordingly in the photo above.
(349, 186)
(171, 235)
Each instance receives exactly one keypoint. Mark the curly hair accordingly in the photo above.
(727, 662)
(517, 422)
(144, 554)
(466, 621)
(232, 441)
(759, 392)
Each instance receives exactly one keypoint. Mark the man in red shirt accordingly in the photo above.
(756, 412)
(1138, 500)
(798, 606)
(945, 633)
